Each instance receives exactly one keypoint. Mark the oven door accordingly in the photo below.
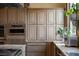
(17, 31)
(1, 30)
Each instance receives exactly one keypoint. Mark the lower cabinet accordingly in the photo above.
(36, 54)
(36, 49)
(56, 51)
(42, 49)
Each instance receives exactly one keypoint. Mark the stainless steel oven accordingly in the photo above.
(2, 36)
(17, 30)
(1, 30)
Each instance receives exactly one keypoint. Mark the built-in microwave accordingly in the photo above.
(17, 30)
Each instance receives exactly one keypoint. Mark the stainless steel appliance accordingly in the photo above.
(1, 31)
(17, 30)
(2, 36)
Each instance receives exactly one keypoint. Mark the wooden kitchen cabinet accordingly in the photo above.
(36, 49)
(59, 17)
(40, 49)
(36, 16)
(15, 41)
(56, 51)
(41, 32)
(41, 17)
(3, 16)
(21, 16)
(31, 32)
(12, 16)
(51, 17)
(16, 16)
(32, 16)
(50, 33)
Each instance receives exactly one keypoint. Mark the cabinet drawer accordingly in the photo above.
(15, 41)
(36, 43)
(36, 48)
(35, 54)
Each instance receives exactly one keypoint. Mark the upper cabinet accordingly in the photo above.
(12, 16)
(32, 17)
(50, 33)
(41, 17)
(21, 15)
(41, 32)
(16, 16)
(3, 15)
(59, 17)
(31, 32)
(50, 17)
(36, 17)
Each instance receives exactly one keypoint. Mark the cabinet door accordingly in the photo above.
(50, 16)
(41, 16)
(36, 49)
(32, 17)
(60, 17)
(26, 16)
(50, 33)
(15, 41)
(41, 32)
(31, 32)
(3, 16)
(12, 16)
(21, 16)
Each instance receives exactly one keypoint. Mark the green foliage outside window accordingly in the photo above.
(71, 10)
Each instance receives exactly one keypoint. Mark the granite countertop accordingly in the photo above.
(67, 50)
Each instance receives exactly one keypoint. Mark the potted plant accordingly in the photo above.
(64, 33)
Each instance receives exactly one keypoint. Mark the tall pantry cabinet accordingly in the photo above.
(41, 25)
(3, 22)
(16, 16)
(36, 25)
(11, 16)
